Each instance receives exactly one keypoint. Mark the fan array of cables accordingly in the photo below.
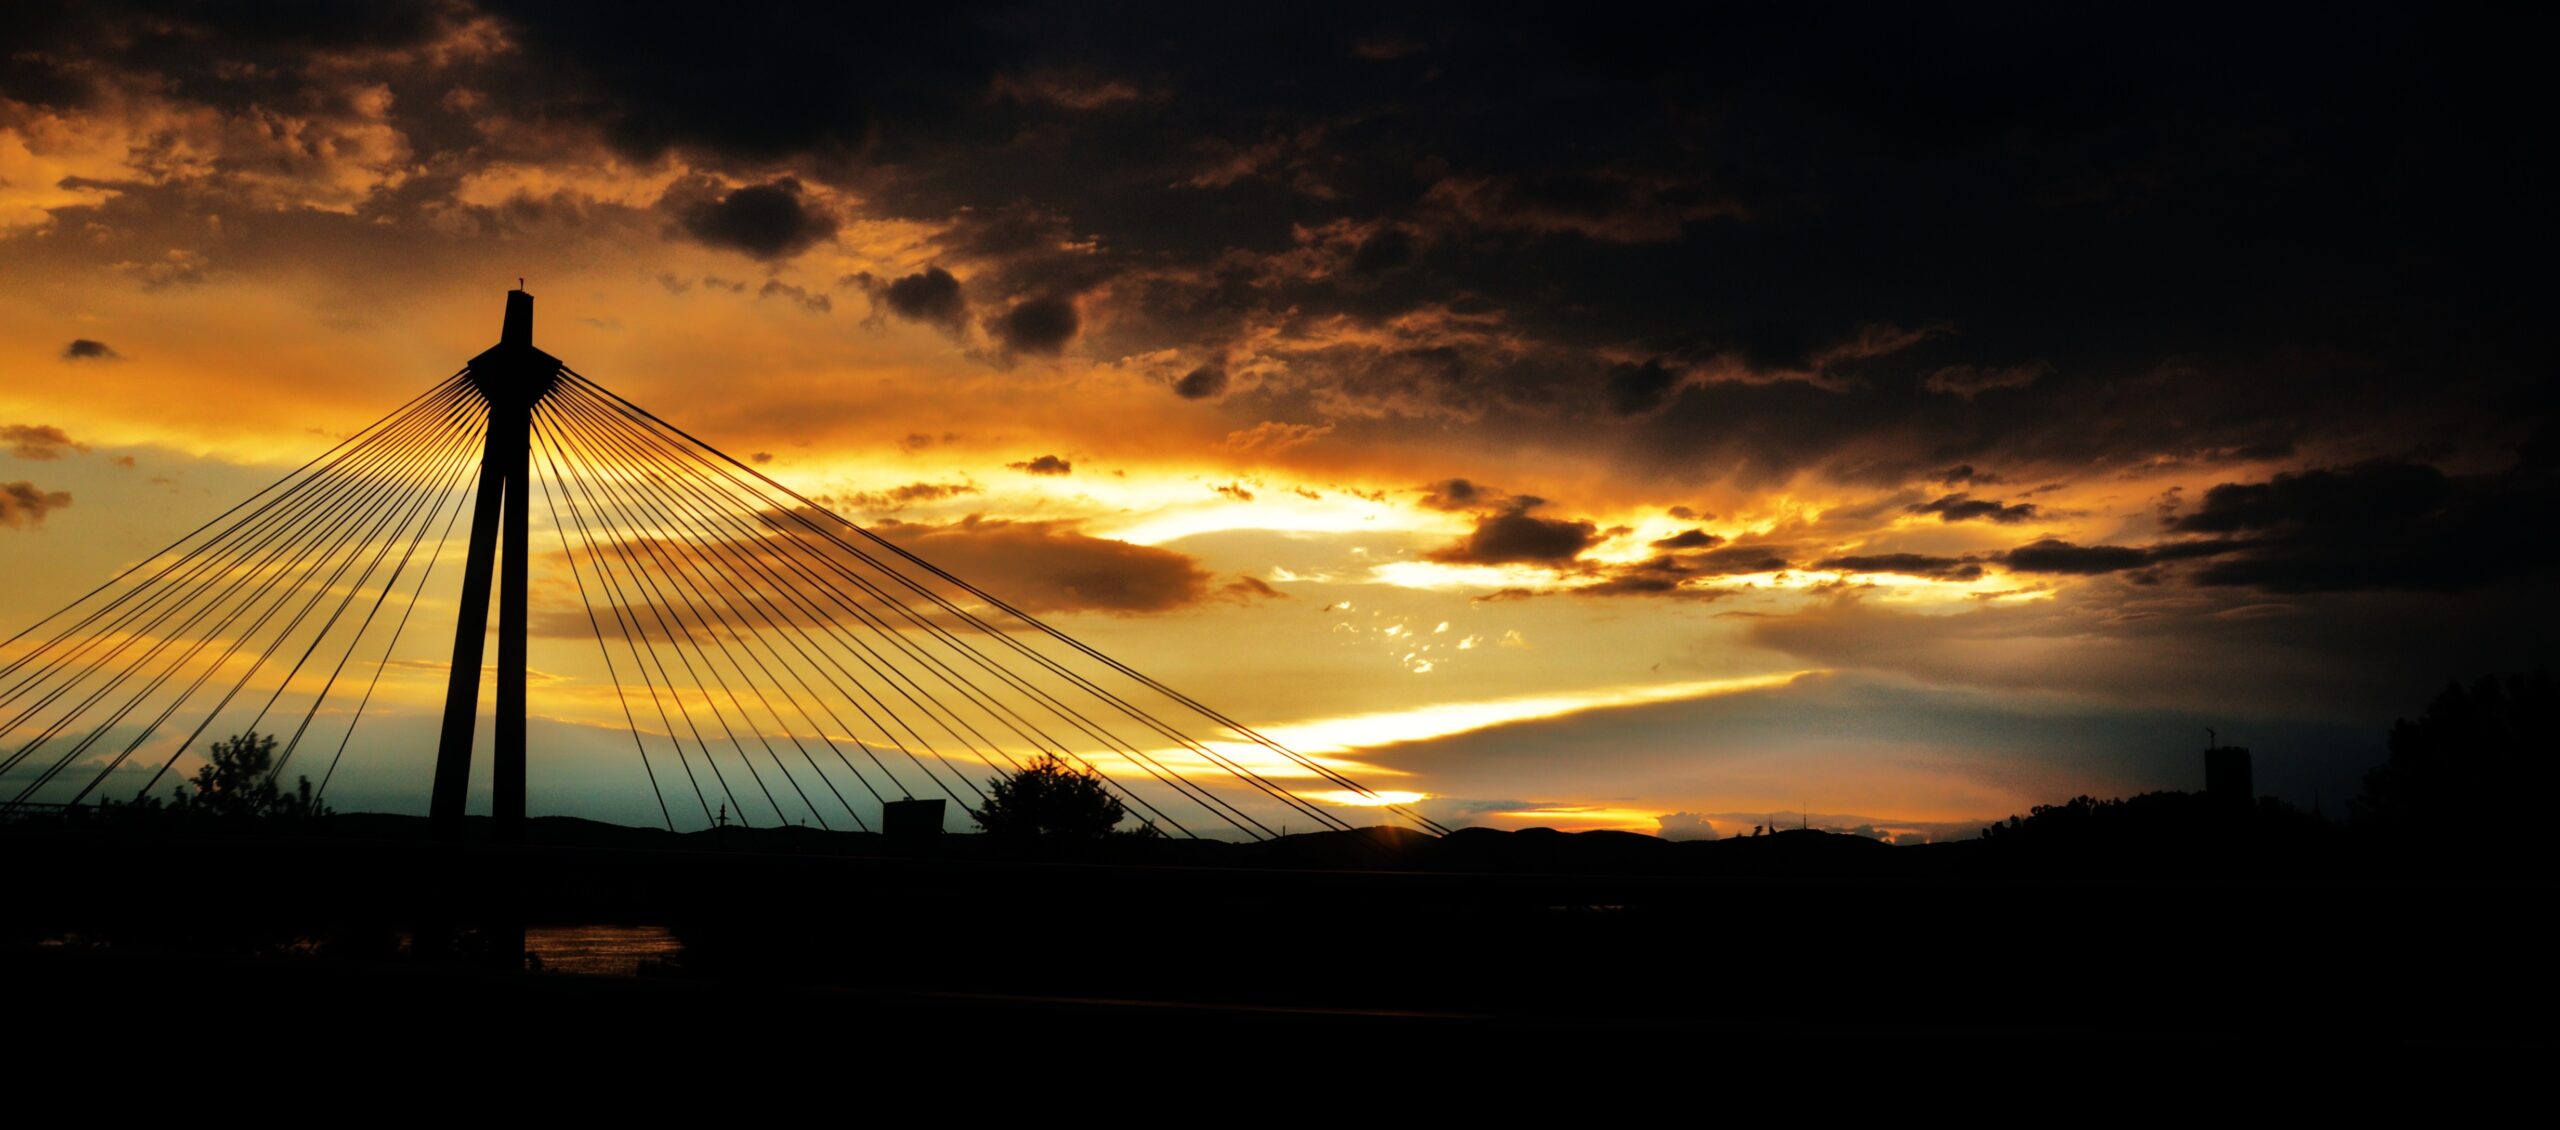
(263, 598)
(773, 662)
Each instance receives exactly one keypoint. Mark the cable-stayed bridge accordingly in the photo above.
(774, 662)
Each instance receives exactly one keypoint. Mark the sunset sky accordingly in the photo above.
(1907, 415)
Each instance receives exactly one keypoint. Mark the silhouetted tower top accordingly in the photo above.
(518, 329)
(2228, 782)
(512, 373)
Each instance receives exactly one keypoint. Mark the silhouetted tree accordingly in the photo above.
(2085, 820)
(2470, 772)
(238, 782)
(1049, 799)
(2161, 834)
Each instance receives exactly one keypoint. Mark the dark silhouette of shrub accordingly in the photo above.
(237, 785)
(238, 782)
(2086, 819)
(1049, 799)
(2469, 773)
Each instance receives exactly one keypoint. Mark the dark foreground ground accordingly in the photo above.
(354, 959)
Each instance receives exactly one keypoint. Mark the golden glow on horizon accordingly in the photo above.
(1441, 577)
(1593, 818)
(1440, 720)
(1380, 798)
(1278, 508)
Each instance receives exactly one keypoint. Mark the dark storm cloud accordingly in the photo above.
(1907, 564)
(1022, 254)
(63, 54)
(1009, 230)
(1384, 250)
(1041, 567)
(1963, 507)
(1761, 245)
(1521, 538)
(1051, 567)
(1607, 205)
(774, 220)
(2053, 555)
(1637, 389)
(38, 441)
(1685, 572)
(1751, 183)
(1245, 590)
(1202, 383)
(1505, 531)
(1467, 495)
(1689, 539)
(25, 504)
(900, 497)
(2380, 525)
(752, 80)
(1759, 188)
(1733, 559)
(797, 296)
(2367, 495)
(1743, 198)
(931, 295)
(1044, 465)
(1969, 381)
(84, 349)
(1039, 325)
(1661, 576)
(2376, 525)
(1455, 494)
(1689, 573)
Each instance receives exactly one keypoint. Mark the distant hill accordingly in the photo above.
(2161, 835)
(1530, 850)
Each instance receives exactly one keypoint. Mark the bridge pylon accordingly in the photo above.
(512, 377)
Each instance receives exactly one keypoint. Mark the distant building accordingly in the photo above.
(911, 819)
(2228, 782)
